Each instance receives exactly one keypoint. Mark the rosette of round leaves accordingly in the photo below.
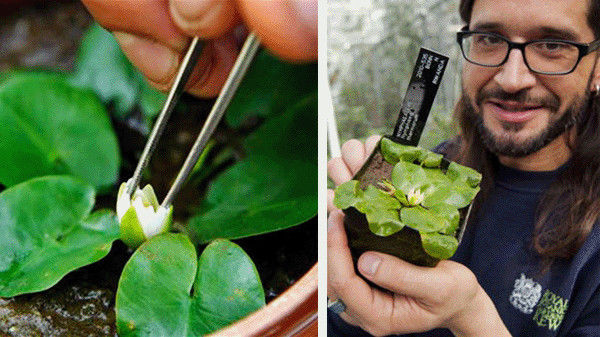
(420, 196)
(141, 216)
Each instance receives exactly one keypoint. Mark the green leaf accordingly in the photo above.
(384, 222)
(462, 173)
(394, 152)
(150, 99)
(450, 214)
(431, 159)
(347, 194)
(228, 287)
(270, 87)
(436, 176)
(268, 199)
(439, 246)
(422, 220)
(48, 127)
(290, 135)
(438, 195)
(380, 208)
(165, 291)
(102, 67)
(47, 231)
(274, 188)
(461, 195)
(408, 176)
(376, 199)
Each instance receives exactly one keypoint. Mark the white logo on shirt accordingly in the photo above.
(526, 294)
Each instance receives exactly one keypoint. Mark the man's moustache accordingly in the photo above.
(523, 97)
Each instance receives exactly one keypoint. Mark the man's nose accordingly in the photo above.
(514, 75)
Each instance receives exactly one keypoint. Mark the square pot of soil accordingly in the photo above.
(407, 202)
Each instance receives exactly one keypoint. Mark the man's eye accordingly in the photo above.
(551, 47)
(487, 40)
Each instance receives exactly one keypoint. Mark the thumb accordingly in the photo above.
(400, 276)
(287, 28)
(207, 19)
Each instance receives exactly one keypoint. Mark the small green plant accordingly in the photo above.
(60, 151)
(420, 195)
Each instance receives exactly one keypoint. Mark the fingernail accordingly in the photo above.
(191, 10)
(368, 264)
(306, 10)
(154, 60)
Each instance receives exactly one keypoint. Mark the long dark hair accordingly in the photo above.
(571, 206)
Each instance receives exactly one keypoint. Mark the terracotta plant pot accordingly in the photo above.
(293, 313)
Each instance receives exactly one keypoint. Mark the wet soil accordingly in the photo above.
(46, 35)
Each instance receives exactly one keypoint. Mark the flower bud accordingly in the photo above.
(415, 197)
(141, 217)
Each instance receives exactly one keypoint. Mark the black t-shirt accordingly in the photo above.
(564, 301)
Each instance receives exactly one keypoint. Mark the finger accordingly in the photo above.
(208, 81)
(160, 64)
(288, 28)
(155, 60)
(338, 171)
(150, 19)
(370, 144)
(207, 19)
(353, 154)
(400, 276)
(341, 278)
(331, 296)
(330, 206)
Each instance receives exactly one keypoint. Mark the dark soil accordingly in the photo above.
(46, 35)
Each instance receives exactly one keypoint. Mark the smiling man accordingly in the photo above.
(529, 117)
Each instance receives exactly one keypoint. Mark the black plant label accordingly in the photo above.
(423, 86)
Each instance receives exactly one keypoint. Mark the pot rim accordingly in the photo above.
(290, 314)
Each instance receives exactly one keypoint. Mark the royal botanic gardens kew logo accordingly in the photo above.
(550, 309)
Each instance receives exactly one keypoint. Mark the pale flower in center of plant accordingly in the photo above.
(415, 197)
(141, 217)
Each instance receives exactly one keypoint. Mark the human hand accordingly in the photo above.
(419, 298)
(154, 34)
(342, 169)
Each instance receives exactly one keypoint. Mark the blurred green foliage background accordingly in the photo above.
(372, 48)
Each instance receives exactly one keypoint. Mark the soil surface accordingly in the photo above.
(46, 35)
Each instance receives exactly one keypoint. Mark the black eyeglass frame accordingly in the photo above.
(584, 49)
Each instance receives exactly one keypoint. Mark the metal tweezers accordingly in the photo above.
(236, 75)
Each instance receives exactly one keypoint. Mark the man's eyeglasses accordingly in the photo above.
(547, 56)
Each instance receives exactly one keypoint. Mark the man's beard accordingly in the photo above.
(508, 146)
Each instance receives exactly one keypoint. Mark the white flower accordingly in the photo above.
(141, 217)
(415, 197)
